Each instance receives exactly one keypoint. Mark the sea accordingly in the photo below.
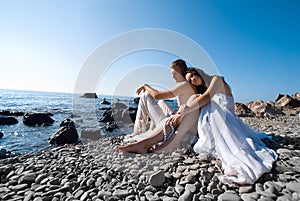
(85, 112)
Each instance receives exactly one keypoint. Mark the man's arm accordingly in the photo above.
(180, 88)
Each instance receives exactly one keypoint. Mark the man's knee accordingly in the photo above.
(144, 96)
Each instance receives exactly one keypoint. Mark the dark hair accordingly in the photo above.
(200, 88)
(180, 64)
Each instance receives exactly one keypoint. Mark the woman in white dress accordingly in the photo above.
(221, 133)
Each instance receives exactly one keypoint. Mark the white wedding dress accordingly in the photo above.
(225, 136)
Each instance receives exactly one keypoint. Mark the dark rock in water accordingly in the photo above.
(3, 153)
(11, 113)
(91, 134)
(67, 122)
(105, 102)
(136, 100)
(110, 126)
(242, 110)
(106, 118)
(8, 120)
(41, 119)
(1, 134)
(67, 134)
(89, 95)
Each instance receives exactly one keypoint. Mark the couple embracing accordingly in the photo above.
(206, 113)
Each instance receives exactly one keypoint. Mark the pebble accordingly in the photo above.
(157, 178)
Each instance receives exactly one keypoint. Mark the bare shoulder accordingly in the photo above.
(218, 85)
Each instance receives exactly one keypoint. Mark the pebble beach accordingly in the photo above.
(96, 171)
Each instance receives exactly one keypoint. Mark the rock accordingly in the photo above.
(286, 101)
(118, 106)
(296, 96)
(186, 196)
(229, 197)
(107, 117)
(105, 102)
(11, 113)
(40, 119)
(242, 110)
(121, 193)
(65, 135)
(129, 115)
(263, 109)
(293, 186)
(110, 126)
(136, 100)
(1, 134)
(250, 196)
(91, 134)
(3, 153)
(157, 179)
(8, 120)
(67, 122)
(28, 178)
(245, 189)
(89, 95)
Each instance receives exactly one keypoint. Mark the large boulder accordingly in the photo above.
(129, 115)
(242, 110)
(8, 120)
(40, 119)
(263, 109)
(67, 134)
(89, 95)
(91, 134)
(296, 96)
(287, 102)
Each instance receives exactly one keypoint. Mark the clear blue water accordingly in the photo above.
(19, 138)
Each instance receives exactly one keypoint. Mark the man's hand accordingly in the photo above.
(140, 89)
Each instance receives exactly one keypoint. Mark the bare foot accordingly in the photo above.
(134, 147)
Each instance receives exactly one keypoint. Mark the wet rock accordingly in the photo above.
(11, 113)
(104, 102)
(67, 134)
(8, 120)
(89, 95)
(40, 119)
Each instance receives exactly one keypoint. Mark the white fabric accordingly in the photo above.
(225, 136)
(149, 107)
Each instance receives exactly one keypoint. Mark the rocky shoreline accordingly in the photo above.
(96, 171)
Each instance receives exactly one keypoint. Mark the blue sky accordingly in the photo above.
(254, 44)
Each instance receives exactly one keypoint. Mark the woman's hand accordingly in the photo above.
(175, 120)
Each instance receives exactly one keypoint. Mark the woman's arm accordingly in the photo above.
(217, 85)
